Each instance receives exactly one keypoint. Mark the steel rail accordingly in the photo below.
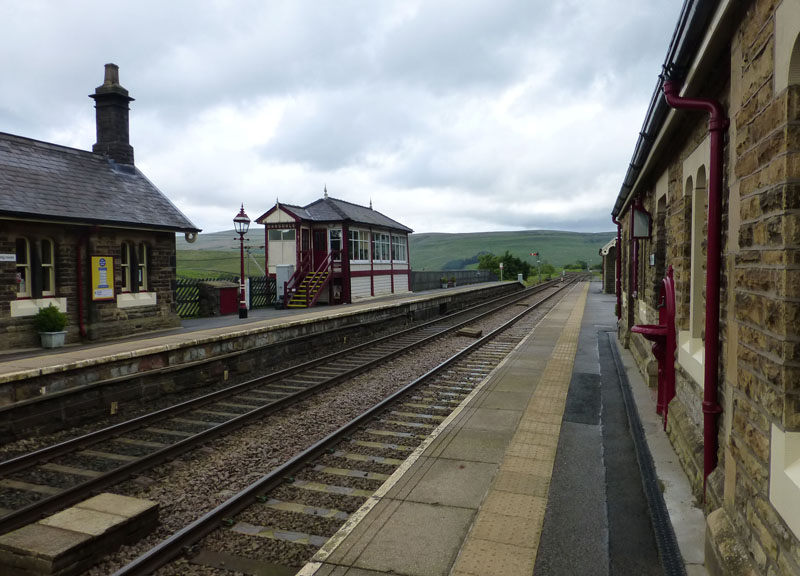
(48, 453)
(69, 496)
(183, 539)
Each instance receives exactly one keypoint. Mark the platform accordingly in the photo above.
(199, 329)
(535, 473)
(42, 391)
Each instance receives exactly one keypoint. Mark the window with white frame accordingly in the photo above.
(281, 235)
(48, 268)
(399, 248)
(381, 247)
(23, 249)
(142, 263)
(358, 245)
(125, 266)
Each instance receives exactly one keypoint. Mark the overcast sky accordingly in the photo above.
(450, 115)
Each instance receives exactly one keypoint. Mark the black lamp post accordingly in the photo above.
(241, 224)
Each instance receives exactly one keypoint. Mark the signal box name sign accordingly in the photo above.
(102, 278)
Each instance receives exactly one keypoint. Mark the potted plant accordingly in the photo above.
(50, 323)
(443, 281)
(452, 280)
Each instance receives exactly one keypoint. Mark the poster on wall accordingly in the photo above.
(102, 278)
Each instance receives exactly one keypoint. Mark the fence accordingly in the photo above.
(432, 279)
(187, 293)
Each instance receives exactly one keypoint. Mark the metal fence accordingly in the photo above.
(187, 293)
(262, 292)
(432, 279)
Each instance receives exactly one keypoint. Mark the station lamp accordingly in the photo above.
(241, 223)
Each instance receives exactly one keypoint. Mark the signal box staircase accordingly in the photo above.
(309, 289)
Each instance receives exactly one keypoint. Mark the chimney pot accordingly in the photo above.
(112, 75)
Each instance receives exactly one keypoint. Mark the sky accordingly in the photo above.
(447, 115)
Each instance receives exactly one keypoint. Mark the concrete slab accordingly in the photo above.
(89, 522)
(494, 420)
(454, 483)
(477, 446)
(434, 533)
(506, 400)
(46, 543)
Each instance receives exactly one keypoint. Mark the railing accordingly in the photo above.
(303, 266)
(318, 282)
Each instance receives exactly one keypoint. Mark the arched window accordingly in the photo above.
(23, 250)
(699, 202)
(142, 262)
(125, 266)
(48, 267)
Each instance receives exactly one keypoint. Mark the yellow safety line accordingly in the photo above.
(311, 568)
(504, 539)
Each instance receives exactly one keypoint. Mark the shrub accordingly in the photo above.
(50, 319)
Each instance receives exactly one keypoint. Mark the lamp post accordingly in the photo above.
(241, 224)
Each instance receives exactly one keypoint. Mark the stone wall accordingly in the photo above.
(102, 319)
(759, 363)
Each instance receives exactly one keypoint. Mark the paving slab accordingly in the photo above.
(454, 483)
(433, 533)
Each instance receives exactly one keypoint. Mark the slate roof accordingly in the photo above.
(334, 210)
(47, 181)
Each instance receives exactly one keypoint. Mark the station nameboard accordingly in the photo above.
(102, 278)
(280, 226)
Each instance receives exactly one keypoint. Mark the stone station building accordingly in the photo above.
(713, 193)
(87, 232)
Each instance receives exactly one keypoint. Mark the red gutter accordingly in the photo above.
(618, 279)
(717, 125)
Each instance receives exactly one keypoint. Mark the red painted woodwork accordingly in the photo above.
(320, 247)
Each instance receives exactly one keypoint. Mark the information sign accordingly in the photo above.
(102, 278)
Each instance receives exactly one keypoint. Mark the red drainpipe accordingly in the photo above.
(717, 125)
(618, 280)
(83, 240)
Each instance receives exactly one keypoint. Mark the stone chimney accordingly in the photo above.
(111, 105)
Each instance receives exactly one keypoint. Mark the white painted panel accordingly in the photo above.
(360, 288)
(401, 283)
(383, 285)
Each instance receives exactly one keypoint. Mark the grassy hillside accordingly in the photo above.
(436, 251)
(218, 252)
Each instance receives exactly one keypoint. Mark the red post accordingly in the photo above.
(242, 297)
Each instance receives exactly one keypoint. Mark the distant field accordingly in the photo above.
(212, 263)
(218, 252)
(437, 251)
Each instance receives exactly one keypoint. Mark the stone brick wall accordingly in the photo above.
(103, 320)
(759, 365)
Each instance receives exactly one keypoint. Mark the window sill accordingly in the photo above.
(691, 356)
(784, 476)
(30, 306)
(131, 300)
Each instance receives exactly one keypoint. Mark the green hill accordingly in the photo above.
(218, 252)
(435, 251)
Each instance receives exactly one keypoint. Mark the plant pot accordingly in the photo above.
(52, 339)
(444, 284)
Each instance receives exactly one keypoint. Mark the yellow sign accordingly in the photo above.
(102, 278)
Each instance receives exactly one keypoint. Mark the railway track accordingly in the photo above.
(55, 477)
(280, 521)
